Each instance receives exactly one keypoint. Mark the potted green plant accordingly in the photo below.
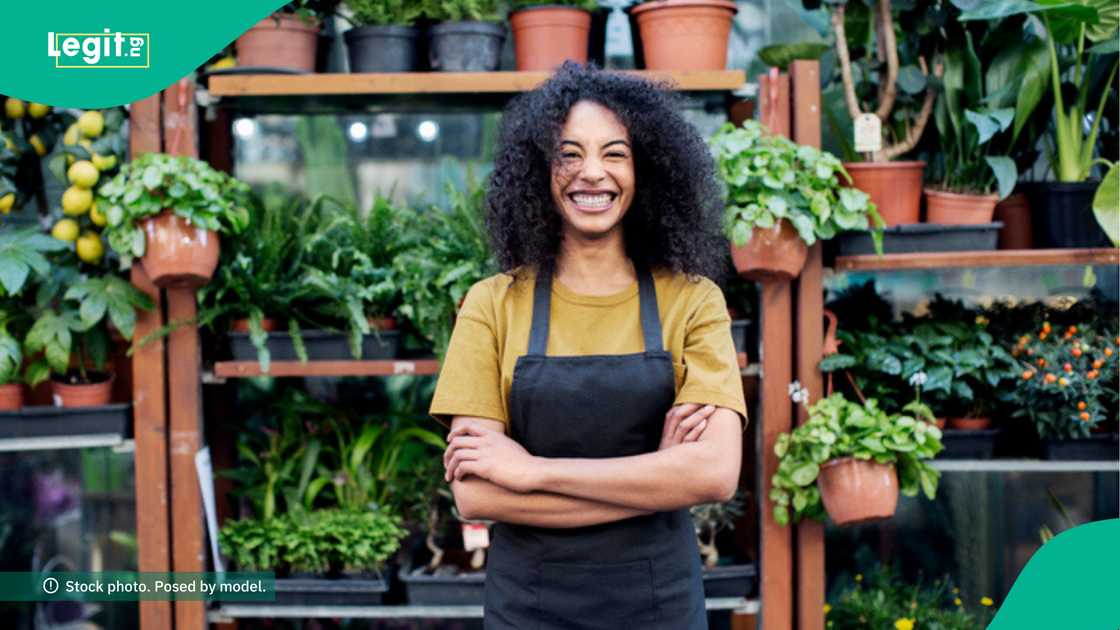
(1081, 42)
(546, 33)
(684, 34)
(168, 211)
(468, 35)
(1106, 204)
(851, 459)
(782, 197)
(723, 577)
(11, 354)
(384, 37)
(882, 598)
(288, 38)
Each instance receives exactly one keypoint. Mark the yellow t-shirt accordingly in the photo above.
(492, 331)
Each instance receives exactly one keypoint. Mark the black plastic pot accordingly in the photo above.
(918, 237)
(733, 580)
(597, 37)
(48, 421)
(1062, 214)
(443, 590)
(382, 48)
(739, 334)
(466, 46)
(321, 345)
(976, 444)
(1098, 447)
(365, 589)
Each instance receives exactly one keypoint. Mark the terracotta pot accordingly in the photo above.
(178, 254)
(949, 208)
(685, 34)
(241, 325)
(545, 36)
(83, 395)
(970, 424)
(894, 187)
(856, 490)
(383, 323)
(1015, 213)
(281, 40)
(11, 397)
(771, 254)
(940, 423)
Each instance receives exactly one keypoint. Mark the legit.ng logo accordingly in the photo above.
(100, 50)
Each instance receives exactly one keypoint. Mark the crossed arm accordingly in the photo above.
(493, 477)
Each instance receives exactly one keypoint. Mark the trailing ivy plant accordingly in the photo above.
(155, 182)
(769, 178)
(839, 428)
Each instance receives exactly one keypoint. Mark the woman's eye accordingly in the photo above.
(616, 154)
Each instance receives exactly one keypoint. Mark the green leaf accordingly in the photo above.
(1106, 204)
(911, 80)
(780, 55)
(1005, 171)
(805, 474)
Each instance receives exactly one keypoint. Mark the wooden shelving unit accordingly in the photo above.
(997, 258)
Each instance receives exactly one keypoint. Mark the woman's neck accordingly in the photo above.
(594, 266)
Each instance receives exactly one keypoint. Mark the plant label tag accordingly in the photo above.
(869, 133)
(475, 536)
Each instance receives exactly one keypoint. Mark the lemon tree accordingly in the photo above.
(28, 134)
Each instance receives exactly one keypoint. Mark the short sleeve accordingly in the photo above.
(470, 378)
(712, 375)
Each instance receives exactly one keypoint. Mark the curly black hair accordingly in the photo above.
(674, 221)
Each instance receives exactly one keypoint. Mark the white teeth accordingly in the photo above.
(592, 201)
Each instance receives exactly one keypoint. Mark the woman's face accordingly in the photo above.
(593, 175)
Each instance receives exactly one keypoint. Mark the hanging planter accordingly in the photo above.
(546, 36)
(857, 491)
(685, 34)
(69, 391)
(894, 187)
(949, 208)
(178, 254)
(11, 397)
(281, 40)
(771, 253)
(468, 46)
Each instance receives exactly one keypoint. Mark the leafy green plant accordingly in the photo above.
(882, 599)
(190, 188)
(781, 55)
(769, 178)
(709, 519)
(839, 428)
(11, 351)
(311, 9)
(384, 12)
(462, 10)
(586, 5)
(23, 251)
(1106, 204)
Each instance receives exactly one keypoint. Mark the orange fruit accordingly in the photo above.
(1072, 329)
(1092, 374)
(1081, 405)
(1050, 378)
(1046, 326)
(1097, 364)
(1028, 375)
(1068, 367)
(1042, 362)
(1108, 352)
(1076, 351)
(1084, 416)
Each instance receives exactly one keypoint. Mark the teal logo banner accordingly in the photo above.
(87, 55)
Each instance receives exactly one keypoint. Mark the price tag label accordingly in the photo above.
(475, 536)
(869, 133)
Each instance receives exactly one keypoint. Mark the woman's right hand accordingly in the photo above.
(684, 423)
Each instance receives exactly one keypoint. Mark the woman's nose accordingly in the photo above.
(592, 170)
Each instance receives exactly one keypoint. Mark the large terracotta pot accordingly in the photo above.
(1015, 214)
(970, 424)
(545, 36)
(178, 254)
(856, 490)
(11, 397)
(268, 324)
(771, 254)
(82, 395)
(281, 40)
(894, 187)
(685, 34)
(948, 208)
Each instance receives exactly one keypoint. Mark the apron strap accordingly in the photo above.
(542, 305)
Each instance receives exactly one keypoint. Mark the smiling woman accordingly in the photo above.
(592, 389)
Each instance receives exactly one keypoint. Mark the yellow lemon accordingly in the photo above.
(96, 216)
(225, 62)
(37, 144)
(91, 124)
(6, 202)
(72, 135)
(38, 110)
(65, 230)
(76, 201)
(104, 162)
(90, 249)
(83, 174)
(14, 108)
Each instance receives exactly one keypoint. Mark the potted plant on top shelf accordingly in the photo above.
(168, 211)
(782, 197)
(468, 36)
(1081, 41)
(286, 39)
(546, 33)
(684, 34)
(384, 37)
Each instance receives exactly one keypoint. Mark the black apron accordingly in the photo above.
(642, 571)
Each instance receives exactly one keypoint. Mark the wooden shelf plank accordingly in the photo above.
(391, 367)
(240, 85)
(997, 258)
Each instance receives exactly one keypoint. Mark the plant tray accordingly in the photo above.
(977, 444)
(443, 590)
(321, 345)
(49, 421)
(733, 580)
(1098, 447)
(919, 238)
(360, 590)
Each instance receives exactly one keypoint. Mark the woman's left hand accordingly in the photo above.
(476, 450)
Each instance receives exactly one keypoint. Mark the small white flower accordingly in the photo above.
(798, 394)
(918, 379)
